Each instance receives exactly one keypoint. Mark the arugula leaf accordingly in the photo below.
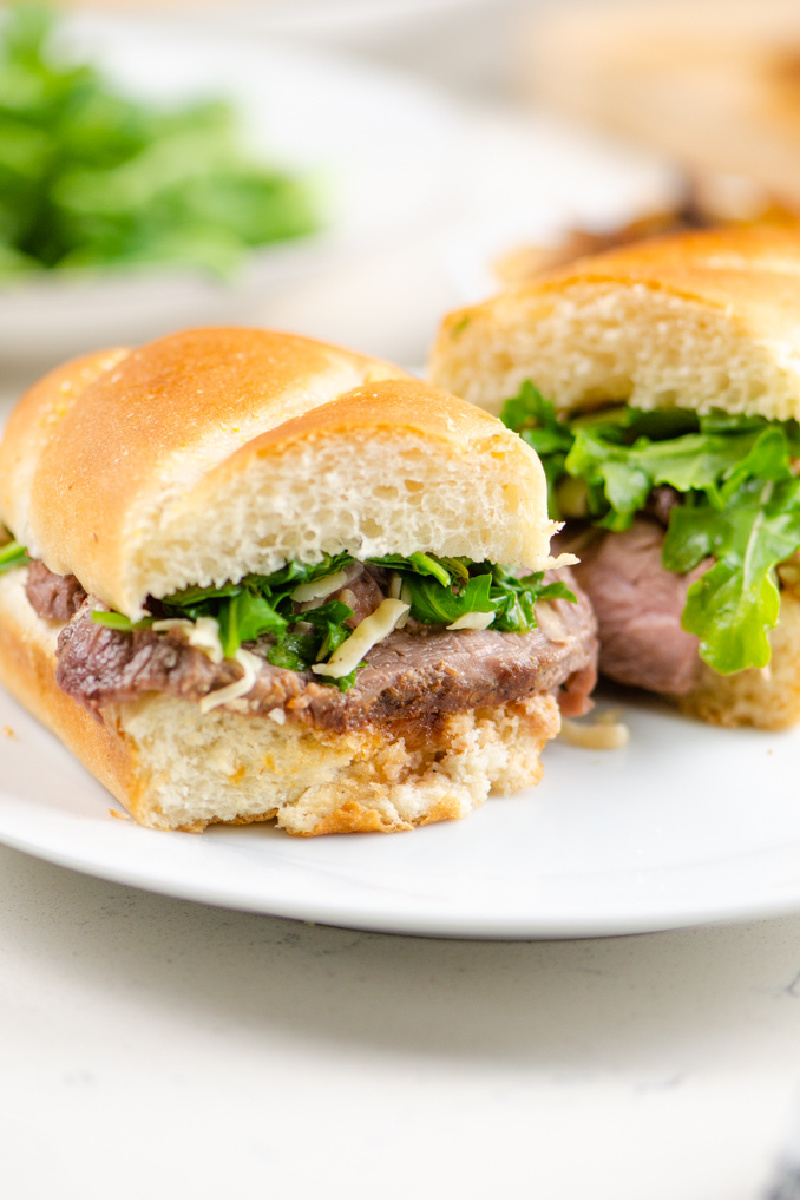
(692, 535)
(432, 604)
(89, 177)
(490, 588)
(113, 620)
(441, 569)
(12, 555)
(740, 503)
(246, 617)
(191, 597)
(332, 613)
(331, 622)
(287, 578)
(122, 624)
(535, 420)
(733, 605)
(293, 651)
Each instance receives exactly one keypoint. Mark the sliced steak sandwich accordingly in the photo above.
(660, 384)
(247, 576)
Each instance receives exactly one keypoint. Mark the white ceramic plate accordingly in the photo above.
(381, 147)
(687, 825)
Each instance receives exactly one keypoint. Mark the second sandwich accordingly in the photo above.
(660, 385)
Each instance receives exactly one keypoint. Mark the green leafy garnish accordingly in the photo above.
(90, 177)
(534, 419)
(115, 620)
(440, 591)
(12, 555)
(112, 620)
(740, 503)
(262, 604)
(475, 587)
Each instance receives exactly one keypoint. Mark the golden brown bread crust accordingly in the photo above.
(752, 265)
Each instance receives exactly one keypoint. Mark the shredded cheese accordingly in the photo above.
(202, 633)
(474, 620)
(603, 735)
(372, 629)
(320, 587)
(250, 664)
(551, 624)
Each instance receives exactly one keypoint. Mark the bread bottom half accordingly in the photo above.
(768, 699)
(175, 768)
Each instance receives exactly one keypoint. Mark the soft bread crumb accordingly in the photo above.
(367, 493)
(8, 731)
(599, 343)
(228, 767)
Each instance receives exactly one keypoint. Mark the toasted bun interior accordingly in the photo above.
(696, 320)
(214, 453)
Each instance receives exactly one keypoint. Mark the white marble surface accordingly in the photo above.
(154, 1047)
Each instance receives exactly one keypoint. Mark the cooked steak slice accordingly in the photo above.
(638, 605)
(363, 593)
(410, 677)
(53, 597)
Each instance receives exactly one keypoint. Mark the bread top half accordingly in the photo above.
(213, 453)
(697, 320)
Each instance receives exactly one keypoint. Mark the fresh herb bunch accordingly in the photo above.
(741, 503)
(440, 591)
(90, 177)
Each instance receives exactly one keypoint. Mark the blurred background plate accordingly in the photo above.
(380, 145)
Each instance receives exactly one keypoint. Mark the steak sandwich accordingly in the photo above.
(250, 576)
(660, 384)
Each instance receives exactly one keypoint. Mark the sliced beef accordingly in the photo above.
(364, 592)
(411, 677)
(98, 665)
(53, 597)
(638, 604)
